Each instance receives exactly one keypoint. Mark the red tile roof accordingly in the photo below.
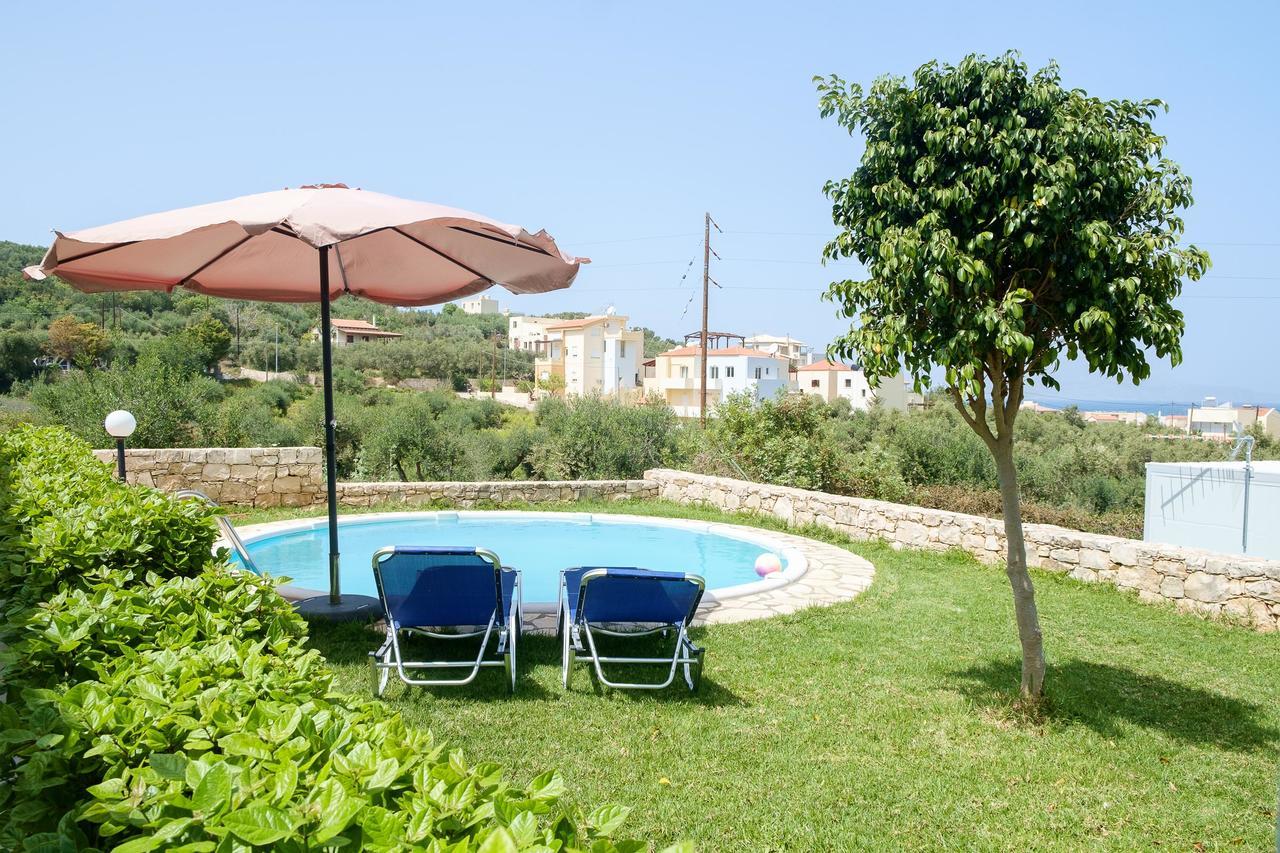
(824, 365)
(362, 327)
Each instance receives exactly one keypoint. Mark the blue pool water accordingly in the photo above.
(539, 547)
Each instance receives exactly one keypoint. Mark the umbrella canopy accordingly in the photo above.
(313, 244)
(263, 247)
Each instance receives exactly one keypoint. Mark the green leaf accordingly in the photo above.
(259, 824)
(606, 819)
(499, 841)
(214, 791)
(170, 765)
(242, 743)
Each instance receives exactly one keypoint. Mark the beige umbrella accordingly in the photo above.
(313, 244)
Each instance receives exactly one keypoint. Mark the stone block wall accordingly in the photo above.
(496, 492)
(240, 476)
(1246, 588)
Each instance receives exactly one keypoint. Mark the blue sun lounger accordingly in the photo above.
(628, 602)
(424, 589)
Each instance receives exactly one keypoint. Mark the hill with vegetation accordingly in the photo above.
(160, 355)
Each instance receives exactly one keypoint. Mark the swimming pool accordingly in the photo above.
(540, 544)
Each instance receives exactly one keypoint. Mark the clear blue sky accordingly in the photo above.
(615, 125)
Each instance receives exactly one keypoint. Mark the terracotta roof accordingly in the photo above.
(576, 324)
(715, 351)
(824, 365)
(362, 327)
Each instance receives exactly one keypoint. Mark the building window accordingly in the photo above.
(848, 383)
(684, 372)
(622, 349)
(759, 373)
(351, 339)
(715, 372)
(864, 392)
(728, 372)
(813, 383)
(365, 338)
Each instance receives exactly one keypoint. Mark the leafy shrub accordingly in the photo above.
(157, 700)
(167, 399)
(598, 438)
(787, 441)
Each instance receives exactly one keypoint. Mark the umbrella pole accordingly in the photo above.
(330, 452)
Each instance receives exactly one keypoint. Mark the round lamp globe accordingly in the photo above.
(120, 424)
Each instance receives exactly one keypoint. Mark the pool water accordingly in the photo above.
(538, 546)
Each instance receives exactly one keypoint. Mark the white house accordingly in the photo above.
(524, 332)
(480, 305)
(832, 381)
(347, 332)
(1222, 422)
(594, 355)
(677, 376)
(794, 351)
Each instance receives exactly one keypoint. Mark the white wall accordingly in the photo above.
(1201, 505)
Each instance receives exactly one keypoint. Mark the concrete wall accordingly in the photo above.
(1194, 580)
(242, 476)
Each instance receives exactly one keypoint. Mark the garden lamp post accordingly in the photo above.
(120, 425)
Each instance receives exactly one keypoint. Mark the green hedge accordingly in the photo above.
(156, 700)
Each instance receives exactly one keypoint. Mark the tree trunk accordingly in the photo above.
(1024, 594)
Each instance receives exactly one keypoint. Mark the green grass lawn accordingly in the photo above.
(887, 723)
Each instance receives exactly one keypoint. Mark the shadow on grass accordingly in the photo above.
(347, 644)
(1103, 697)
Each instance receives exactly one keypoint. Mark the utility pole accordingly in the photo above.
(706, 281)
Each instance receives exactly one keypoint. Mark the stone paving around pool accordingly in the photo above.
(833, 575)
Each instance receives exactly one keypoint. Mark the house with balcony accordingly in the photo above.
(523, 332)
(785, 346)
(1223, 422)
(594, 355)
(347, 332)
(676, 377)
(831, 381)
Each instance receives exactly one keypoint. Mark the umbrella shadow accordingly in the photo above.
(1107, 698)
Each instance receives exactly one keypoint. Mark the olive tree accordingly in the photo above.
(1006, 222)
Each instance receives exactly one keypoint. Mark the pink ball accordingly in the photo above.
(767, 564)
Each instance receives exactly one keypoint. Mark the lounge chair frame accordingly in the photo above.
(389, 657)
(578, 643)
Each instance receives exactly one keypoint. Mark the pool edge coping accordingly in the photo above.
(796, 559)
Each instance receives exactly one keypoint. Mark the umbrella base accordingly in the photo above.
(352, 608)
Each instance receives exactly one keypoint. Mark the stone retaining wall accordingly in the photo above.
(496, 492)
(242, 476)
(1246, 588)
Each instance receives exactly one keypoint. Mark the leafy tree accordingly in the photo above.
(209, 340)
(413, 443)
(553, 383)
(82, 344)
(18, 354)
(168, 402)
(1005, 222)
(784, 441)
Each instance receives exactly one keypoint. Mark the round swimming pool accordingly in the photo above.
(540, 544)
